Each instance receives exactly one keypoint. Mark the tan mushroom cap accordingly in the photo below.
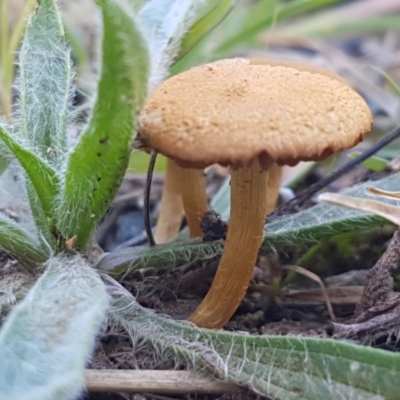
(232, 112)
(299, 65)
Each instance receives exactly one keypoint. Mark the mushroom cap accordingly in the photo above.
(299, 65)
(230, 112)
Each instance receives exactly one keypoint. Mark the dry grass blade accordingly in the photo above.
(337, 295)
(167, 382)
(383, 193)
(317, 279)
(387, 211)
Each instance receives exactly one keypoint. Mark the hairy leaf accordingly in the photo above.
(323, 221)
(6, 156)
(97, 163)
(20, 244)
(313, 225)
(48, 337)
(45, 80)
(163, 24)
(42, 185)
(277, 366)
(161, 256)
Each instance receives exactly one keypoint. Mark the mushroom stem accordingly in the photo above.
(171, 207)
(245, 233)
(194, 197)
(274, 183)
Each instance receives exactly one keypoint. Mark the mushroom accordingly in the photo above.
(171, 206)
(248, 117)
(275, 172)
(299, 65)
(184, 190)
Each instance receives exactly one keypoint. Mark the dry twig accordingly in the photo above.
(167, 382)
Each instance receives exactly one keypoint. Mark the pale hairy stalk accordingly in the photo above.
(163, 25)
(245, 233)
(194, 196)
(49, 336)
(12, 289)
(171, 206)
(45, 83)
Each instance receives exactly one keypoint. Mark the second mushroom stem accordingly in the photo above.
(194, 197)
(274, 178)
(171, 207)
(248, 205)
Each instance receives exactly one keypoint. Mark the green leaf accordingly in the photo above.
(163, 24)
(373, 163)
(277, 366)
(20, 244)
(47, 339)
(204, 25)
(263, 16)
(42, 177)
(165, 256)
(98, 162)
(242, 27)
(45, 80)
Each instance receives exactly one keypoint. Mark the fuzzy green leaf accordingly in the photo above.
(163, 24)
(98, 162)
(313, 225)
(164, 255)
(41, 175)
(5, 157)
(48, 337)
(19, 243)
(204, 25)
(4, 163)
(45, 80)
(278, 366)
(324, 221)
